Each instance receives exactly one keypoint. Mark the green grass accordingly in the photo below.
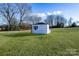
(61, 41)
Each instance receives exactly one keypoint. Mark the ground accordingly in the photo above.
(61, 41)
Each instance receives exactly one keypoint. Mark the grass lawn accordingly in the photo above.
(61, 41)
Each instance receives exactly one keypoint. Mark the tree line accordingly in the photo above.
(19, 16)
(14, 14)
(59, 21)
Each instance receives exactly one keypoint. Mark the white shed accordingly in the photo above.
(40, 28)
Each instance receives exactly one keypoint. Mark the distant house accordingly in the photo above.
(40, 28)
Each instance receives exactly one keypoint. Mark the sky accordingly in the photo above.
(66, 9)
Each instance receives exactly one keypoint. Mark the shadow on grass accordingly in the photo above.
(22, 34)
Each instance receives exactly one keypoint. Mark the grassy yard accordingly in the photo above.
(61, 41)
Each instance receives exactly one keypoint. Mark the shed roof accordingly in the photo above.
(40, 23)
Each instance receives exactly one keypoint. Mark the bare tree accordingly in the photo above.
(8, 12)
(61, 20)
(70, 21)
(56, 20)
(50, 20)
(23, 11)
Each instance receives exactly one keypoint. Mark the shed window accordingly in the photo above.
(35, 27)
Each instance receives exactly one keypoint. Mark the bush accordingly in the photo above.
(25, 26)
(73, 24)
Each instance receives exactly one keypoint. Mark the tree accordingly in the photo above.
(56, 20)
(61, 20)
(73, 24)
(61, 25)
(23, 11)
(50, 19)
(70, 22)
(14, 24)
(8, 12)
(33, 19)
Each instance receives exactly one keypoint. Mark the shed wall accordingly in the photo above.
(42, 29)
